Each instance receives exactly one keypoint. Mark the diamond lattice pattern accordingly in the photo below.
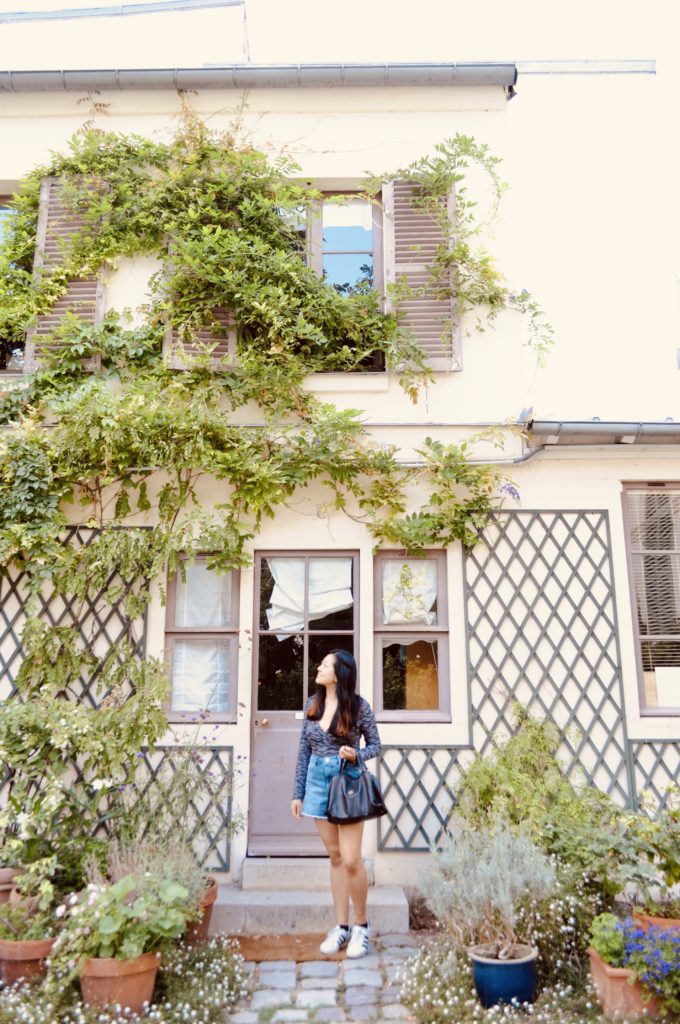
(102, 625)
(541, 625)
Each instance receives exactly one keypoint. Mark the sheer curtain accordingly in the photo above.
(200, 675)
(409, 592)
(205, 598)
(330, 590)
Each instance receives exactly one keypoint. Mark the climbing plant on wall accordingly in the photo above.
(136, 438)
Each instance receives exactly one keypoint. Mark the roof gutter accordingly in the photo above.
(599, 432)
(263, 76)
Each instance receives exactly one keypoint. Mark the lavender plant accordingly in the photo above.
(477, 882)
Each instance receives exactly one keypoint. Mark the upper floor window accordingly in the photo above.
(411, 637)
(201, 635)
(344, 242)
(652, 516)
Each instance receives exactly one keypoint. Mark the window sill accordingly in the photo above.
(194, 718)
(659, 712)
(413, 716)
(353, 382)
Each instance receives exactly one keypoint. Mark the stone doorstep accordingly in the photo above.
(282, 912)
(280, 873)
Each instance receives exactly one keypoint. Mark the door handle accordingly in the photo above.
(264, 722)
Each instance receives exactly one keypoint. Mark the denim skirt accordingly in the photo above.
(320, 771)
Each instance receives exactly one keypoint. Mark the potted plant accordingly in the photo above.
(475, 886)
(635, 970)
(114, 934)
(27, 935)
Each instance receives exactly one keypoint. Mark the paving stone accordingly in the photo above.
(307, 983)
(398, 953)
(354, 976)
(394, 1011)
(277, 979)
(266, 997)
(393, 971)
(319, 969)
(248, 966)
(313, 997)
(277, 965)
(399, 940)
(359, 995)
(391, 994)
(290, 1016)
(243, 1017)
(365, 1012)
(370, 960)
(330, 1013)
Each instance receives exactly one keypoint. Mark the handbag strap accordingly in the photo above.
(358, 763)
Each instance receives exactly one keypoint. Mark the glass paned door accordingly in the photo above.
(306, 606)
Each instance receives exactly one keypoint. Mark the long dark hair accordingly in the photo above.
(345, 717)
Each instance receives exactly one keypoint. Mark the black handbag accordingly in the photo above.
(355, 798)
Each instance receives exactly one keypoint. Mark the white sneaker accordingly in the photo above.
(336, 940)
(358, 943)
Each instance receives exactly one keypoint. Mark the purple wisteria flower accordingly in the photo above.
(510, 490)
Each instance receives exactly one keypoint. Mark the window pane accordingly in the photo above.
(6, 213)
(410, 675)
(331, 601)
(409, 591)
(319, 646)
(347, 226)
(654, 519)
(204, 601)
(657, 591)
(200, 675)
(347, 271)
(280, 675)
(282, 593)
(661, 672)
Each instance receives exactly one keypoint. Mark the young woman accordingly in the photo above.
(335, 720)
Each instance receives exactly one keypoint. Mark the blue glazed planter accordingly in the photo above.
(501, 981)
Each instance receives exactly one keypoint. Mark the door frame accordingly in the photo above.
(258, 555)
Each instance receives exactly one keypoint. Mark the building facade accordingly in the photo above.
(570, 602)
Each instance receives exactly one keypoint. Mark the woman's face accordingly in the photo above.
(325, 674)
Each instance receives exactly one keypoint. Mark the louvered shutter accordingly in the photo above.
(84, 297)
(179, 352)
(412, 237)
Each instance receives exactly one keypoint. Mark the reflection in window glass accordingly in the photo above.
(319, 646)
(280, 673)
(200, 675)
(409, 591)
(348, 245)
(410, 674)
(204, 599)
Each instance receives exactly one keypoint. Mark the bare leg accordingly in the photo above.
(349, 838)
(339, 879)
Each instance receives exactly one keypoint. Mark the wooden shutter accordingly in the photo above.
(412, 237)
(179, 352)
(84, 297)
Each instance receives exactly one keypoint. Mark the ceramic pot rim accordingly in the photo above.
(477, 953)
(25, 949)
(110, 967)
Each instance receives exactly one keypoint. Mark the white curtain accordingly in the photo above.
(205, 599)
(409, 591)
(330, 590)
(200, 675)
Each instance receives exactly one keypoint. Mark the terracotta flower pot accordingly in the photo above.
(616, 993)
(29, 903)
(197, 931)
(105, 980)
(23, 958)
(7, 876)
(663, 923)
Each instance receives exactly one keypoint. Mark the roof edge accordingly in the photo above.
(264, 76)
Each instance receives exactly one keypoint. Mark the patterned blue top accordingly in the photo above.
(313, 740)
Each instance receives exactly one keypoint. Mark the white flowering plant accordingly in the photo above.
(194, 986)
(24, 921)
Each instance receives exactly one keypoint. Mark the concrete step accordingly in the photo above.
(308, 873)
(302, 911)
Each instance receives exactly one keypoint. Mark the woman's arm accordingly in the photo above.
(369, 731)
(304, 754)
